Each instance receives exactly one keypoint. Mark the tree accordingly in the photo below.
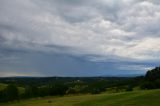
(58, 89)
(129, 88)
(152, 79)
(9, 93)
(31, 91)
(153, 74)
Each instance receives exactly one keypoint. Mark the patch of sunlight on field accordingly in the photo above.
(135, 98)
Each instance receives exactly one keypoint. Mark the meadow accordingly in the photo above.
(2, 86)
(134, 98)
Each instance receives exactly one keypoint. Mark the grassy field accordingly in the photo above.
(135, 98)
(2, 86)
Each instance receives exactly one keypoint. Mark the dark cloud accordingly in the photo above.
(79, 37)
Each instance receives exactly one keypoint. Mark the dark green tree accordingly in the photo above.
(10, 93)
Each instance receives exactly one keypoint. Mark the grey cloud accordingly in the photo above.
(97, 30)
(49, 24)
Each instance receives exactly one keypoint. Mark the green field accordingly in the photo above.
(2, 86)
(135, 98)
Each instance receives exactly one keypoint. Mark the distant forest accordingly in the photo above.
(29, 87)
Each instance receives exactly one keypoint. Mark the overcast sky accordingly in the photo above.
(78, 37)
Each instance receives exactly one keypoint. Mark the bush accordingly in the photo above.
(148, 85)
(129, 88)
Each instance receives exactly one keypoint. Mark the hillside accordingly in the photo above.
(136, 98)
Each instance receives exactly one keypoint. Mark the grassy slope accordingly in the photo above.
(136, 98)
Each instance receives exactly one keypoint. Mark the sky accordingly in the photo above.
(79, 37)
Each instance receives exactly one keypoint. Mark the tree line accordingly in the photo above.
(12, 92)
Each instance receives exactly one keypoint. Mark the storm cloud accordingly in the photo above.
(56, 37)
